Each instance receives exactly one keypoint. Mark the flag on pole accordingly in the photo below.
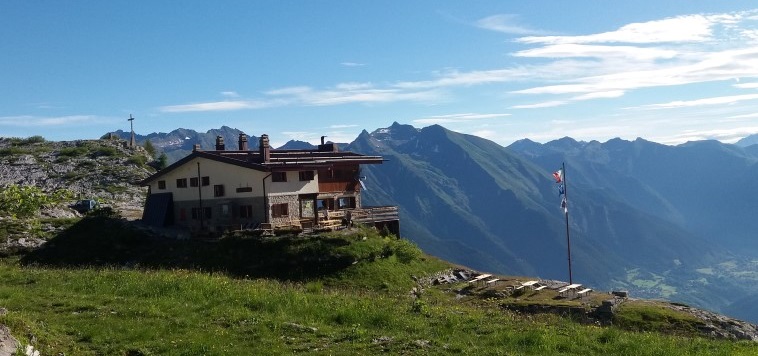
(558, 175)
(564, 204)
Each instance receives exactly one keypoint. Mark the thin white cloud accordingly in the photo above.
(348, 93)
(546, 104)
(52, 121)
(342, 126)
(354, 86)
(690, 28)
(728, 135)
(743, 116)
(506, 23)
(753, 85)
(214, 106)
(716, 66)
(457, 78)
(352, 64)
(230, 94)
(609, 94)
(451, 118)
(721, 100)
(488, 134)
(599, 95)
(573, 50)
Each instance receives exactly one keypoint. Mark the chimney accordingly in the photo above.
(327, 147)
(196, 147)
(243, 142)
(265, 149)
(220, 143)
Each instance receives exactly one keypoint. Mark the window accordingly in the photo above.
(218, 190)
(181, 183)
(279, 210)
(196, 213)
(182, 214)
(161, 184)
(306, 175)
(225, 210)
(244, 189)
(206, 181)
(278, 176)
(346, 203)
(246, 211)
(193, 182)
(325, 204)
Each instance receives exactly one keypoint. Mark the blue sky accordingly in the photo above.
(667, 71)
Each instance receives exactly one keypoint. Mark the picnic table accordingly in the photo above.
(569, 288)
(480, 278)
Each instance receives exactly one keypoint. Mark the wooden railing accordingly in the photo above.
(374, 214)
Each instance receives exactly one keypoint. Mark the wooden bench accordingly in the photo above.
(330, 224)
(584, 292)
(492, 281)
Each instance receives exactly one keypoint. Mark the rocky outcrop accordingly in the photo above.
(8, 344)
(105, 170)
(720, 326)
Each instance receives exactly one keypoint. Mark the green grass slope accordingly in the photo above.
(102, 288)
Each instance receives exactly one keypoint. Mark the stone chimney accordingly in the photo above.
(265, 149)
(220, 143)
(243, 142)
(196, 147)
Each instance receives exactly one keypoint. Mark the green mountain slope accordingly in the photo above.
(474, 202)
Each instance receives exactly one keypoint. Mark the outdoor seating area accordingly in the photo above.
(485, 281)
(293, 226)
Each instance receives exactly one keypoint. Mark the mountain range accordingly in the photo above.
(660, 221)
(178, 143)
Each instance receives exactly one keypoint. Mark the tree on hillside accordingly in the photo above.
(149, 148)
(162, 160)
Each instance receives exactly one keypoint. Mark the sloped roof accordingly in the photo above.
(279, 161)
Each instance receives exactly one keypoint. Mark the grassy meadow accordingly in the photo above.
(125, 303)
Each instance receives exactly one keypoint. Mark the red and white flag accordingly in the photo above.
(558, 175)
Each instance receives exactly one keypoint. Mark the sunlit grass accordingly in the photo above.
(365, 307)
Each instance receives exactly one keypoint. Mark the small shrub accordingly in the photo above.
(419, 307)
(25, 201)
(10, 151)
(34, 139)
(137, 160)
(104, 151)
(87, 164)
(72, 151)
(407, 251)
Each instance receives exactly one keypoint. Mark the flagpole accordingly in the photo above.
(565, 210)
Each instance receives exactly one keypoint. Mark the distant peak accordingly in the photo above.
(395, 134)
